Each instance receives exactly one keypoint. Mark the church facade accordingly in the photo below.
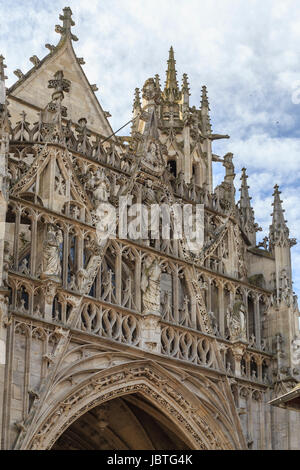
(134, 342)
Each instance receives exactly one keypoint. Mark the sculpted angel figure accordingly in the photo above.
(101, 189)
(51, 254)
(236, 321)
(150, 285)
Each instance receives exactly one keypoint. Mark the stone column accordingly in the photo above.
(238, 350)
(16, 238)
(33, 245)
(50, 289)
(137, 278)
(118, 274)
(209, 294)
(221, 308)
(257, 321)
(4, 339)
(187, 156)
(150, 332)
(65, 258)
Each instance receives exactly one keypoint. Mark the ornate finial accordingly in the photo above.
(204, 98)
(185, 84)
(249, 225)
(171, 88)
(3, 77)
(5, 127)
(19, 73)
(2, 67)
(137, 100)
(60, 84)
(204, 109)
(245, 198)
(279, 232)
(65, 29)
(35, 60)
(157, 81)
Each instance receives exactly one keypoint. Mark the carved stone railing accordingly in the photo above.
(149, 333)
(77, 140)
(110, 323)
(187, 345)
(194, 193)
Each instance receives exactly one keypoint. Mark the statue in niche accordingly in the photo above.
(154, 161)
(150, 285)
(150, 90)
(51, 262)
(101, 189)
(149, 195)
(6, 262)
(286, 292)
(236, 321)
(214, 323)
(82, 279)
(152, 153)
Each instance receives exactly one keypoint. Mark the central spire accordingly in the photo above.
(171, 88)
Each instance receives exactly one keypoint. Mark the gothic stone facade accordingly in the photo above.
(133, 344)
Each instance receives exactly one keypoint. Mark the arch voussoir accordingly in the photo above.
(140, 377)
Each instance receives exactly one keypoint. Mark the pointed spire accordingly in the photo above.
(185, 84)
(157, 81)
(151, 127)
(204, 99)
(2, 82)
(171, 90)
(204, 110)
(245, 198)
(65, 29)
(279, 232)
(5, 127)
(2, 67)
(246, 211)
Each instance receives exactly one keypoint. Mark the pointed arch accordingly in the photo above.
(70, 399)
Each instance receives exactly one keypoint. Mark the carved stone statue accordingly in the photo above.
(51, 264)
(236, 321)
(152, 153)
(6, 262)
(229, 167)
(150, 285)
(154, 161)
(214, 323)
(150, 91)
(101, 189)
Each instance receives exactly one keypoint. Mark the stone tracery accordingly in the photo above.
(212, 311)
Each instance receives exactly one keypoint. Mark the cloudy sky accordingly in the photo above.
(245, 51)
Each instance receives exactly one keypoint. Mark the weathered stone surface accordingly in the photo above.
(134, 342)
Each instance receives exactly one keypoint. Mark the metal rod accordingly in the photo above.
(107, 138)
